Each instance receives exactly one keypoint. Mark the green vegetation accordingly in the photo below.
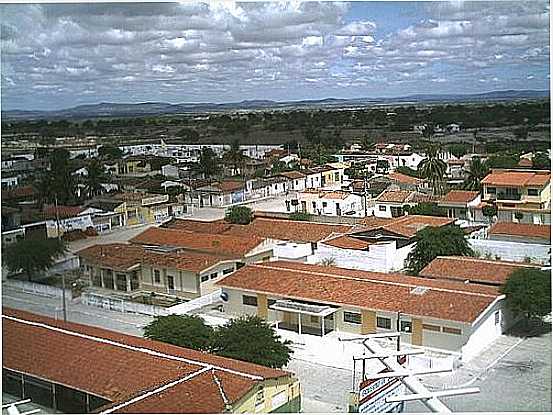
(458, 150)
(208, 165)
(477, 171)
(528, 292)
(489, 211)
(110, 152)
(432, 242)
(180, 330)
(408, 171)
(32, 256)
(426, 208)
(246, 338)
(300, 216)
(433, 169)
(241, 215)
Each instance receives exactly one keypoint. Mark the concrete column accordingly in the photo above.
(101, 277)
(299, 323)
(262, 307)
(128, 281)
(368, 322)
(323, 325)
(416, 335)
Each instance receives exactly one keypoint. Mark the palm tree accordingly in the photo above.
(477, 171)
(208, 165)
(94, 178)
(433, 169)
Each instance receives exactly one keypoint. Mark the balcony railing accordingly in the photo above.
(508, 196)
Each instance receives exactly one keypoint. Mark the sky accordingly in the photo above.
(57, 56)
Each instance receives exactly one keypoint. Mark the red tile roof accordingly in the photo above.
(471, 269)
(347, 242)
(49, 212)
(394, 196)
(224, 245)
(407, 226)
(334, 195)
(448, 300)
(19, 192)
(521, 230)
(292, 174)
(284, 230)
(517, 178)
(459, 197)
(119, 367)
(230, 185)
(403, 178)
(122, 257)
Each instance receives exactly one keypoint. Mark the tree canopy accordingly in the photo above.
(247, 338)
(426, 208)
(528, 292)
(110, 151)
(432, 242)
(32, 256)
(180, 330)
(241, 215)
(251, 339)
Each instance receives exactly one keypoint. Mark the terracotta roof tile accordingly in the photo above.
(122, 257)
(334, 195)
(225, 245)
(230, 185)
(459, 197)
(521, 230)
(471, 269)
(292, 174)
(448, 300)
(284, 230)
(517, 178)
(394, 196)
(49, 212)
(405, 179)
(80, 357)
(347, 242)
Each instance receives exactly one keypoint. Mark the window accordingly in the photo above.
(533, 192)
(313, 246)
(382, 208)
(108, 280)
(265, 258)
(249, 300)
(497, 315)
(314, 319)
(213, 276)
(324, 204)
(491, 190)
(39, 391)
(227, 271)
(314, 204)
(12, 383)
(204, 278)
(451, 330)
(157, 276)
(405, 326)
(239, 265)
(383, 323)
(353, 318)
(431, 327)
(121, 282)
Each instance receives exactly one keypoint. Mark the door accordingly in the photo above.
(170, 282)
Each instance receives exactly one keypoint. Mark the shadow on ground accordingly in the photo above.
(530, 328)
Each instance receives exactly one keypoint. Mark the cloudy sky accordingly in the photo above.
(60, 55)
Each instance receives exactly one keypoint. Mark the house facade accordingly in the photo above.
(461, 204)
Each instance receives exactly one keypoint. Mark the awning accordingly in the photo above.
(303, 308)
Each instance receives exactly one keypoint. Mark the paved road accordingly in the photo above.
(517, 379)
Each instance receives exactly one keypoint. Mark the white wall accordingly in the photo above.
(512, 251)
(484, 331)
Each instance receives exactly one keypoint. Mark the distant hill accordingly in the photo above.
(107, 109)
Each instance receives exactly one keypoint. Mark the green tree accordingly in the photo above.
(235, 157)
(94, 178)
(503, 161)
(208, 165)
(110, 152)
(253, 340)
(61, 181)
(432, 242)
(180, 330)
(528, 292)
(433, 169)
(541, 161)
(241, 215)
(458, 150)
(477, 171)
(189, 135)
(427, 209)
(300, 216)
(489, 211)
(32, 256)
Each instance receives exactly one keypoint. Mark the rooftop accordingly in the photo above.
(280, 229)
(406, 226)
(224, 245)
(507, 177)
(471, 269)
(292, 174)
(459, 197)
(521, 230)
(394, 196)
(448, 300)
(118, 367)
(347, 242)
(405, 179)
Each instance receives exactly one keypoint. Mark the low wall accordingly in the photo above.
(35, 288)
(512, 251)
(121, 305)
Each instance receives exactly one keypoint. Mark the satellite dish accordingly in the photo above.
(224, 296)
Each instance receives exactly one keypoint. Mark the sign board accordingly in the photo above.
(373, 394)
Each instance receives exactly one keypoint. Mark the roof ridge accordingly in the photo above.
(488, 261)
(399, 284)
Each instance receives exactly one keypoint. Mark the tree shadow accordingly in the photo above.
(529, 328)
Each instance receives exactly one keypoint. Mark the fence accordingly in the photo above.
(37, 289)
(196, 303)
(121, 305)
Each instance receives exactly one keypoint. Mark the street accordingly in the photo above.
(514, 374)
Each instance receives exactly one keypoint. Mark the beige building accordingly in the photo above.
(520, 195)
(316, 300)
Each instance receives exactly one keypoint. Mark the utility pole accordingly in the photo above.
(62, 274)
(365, 191)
